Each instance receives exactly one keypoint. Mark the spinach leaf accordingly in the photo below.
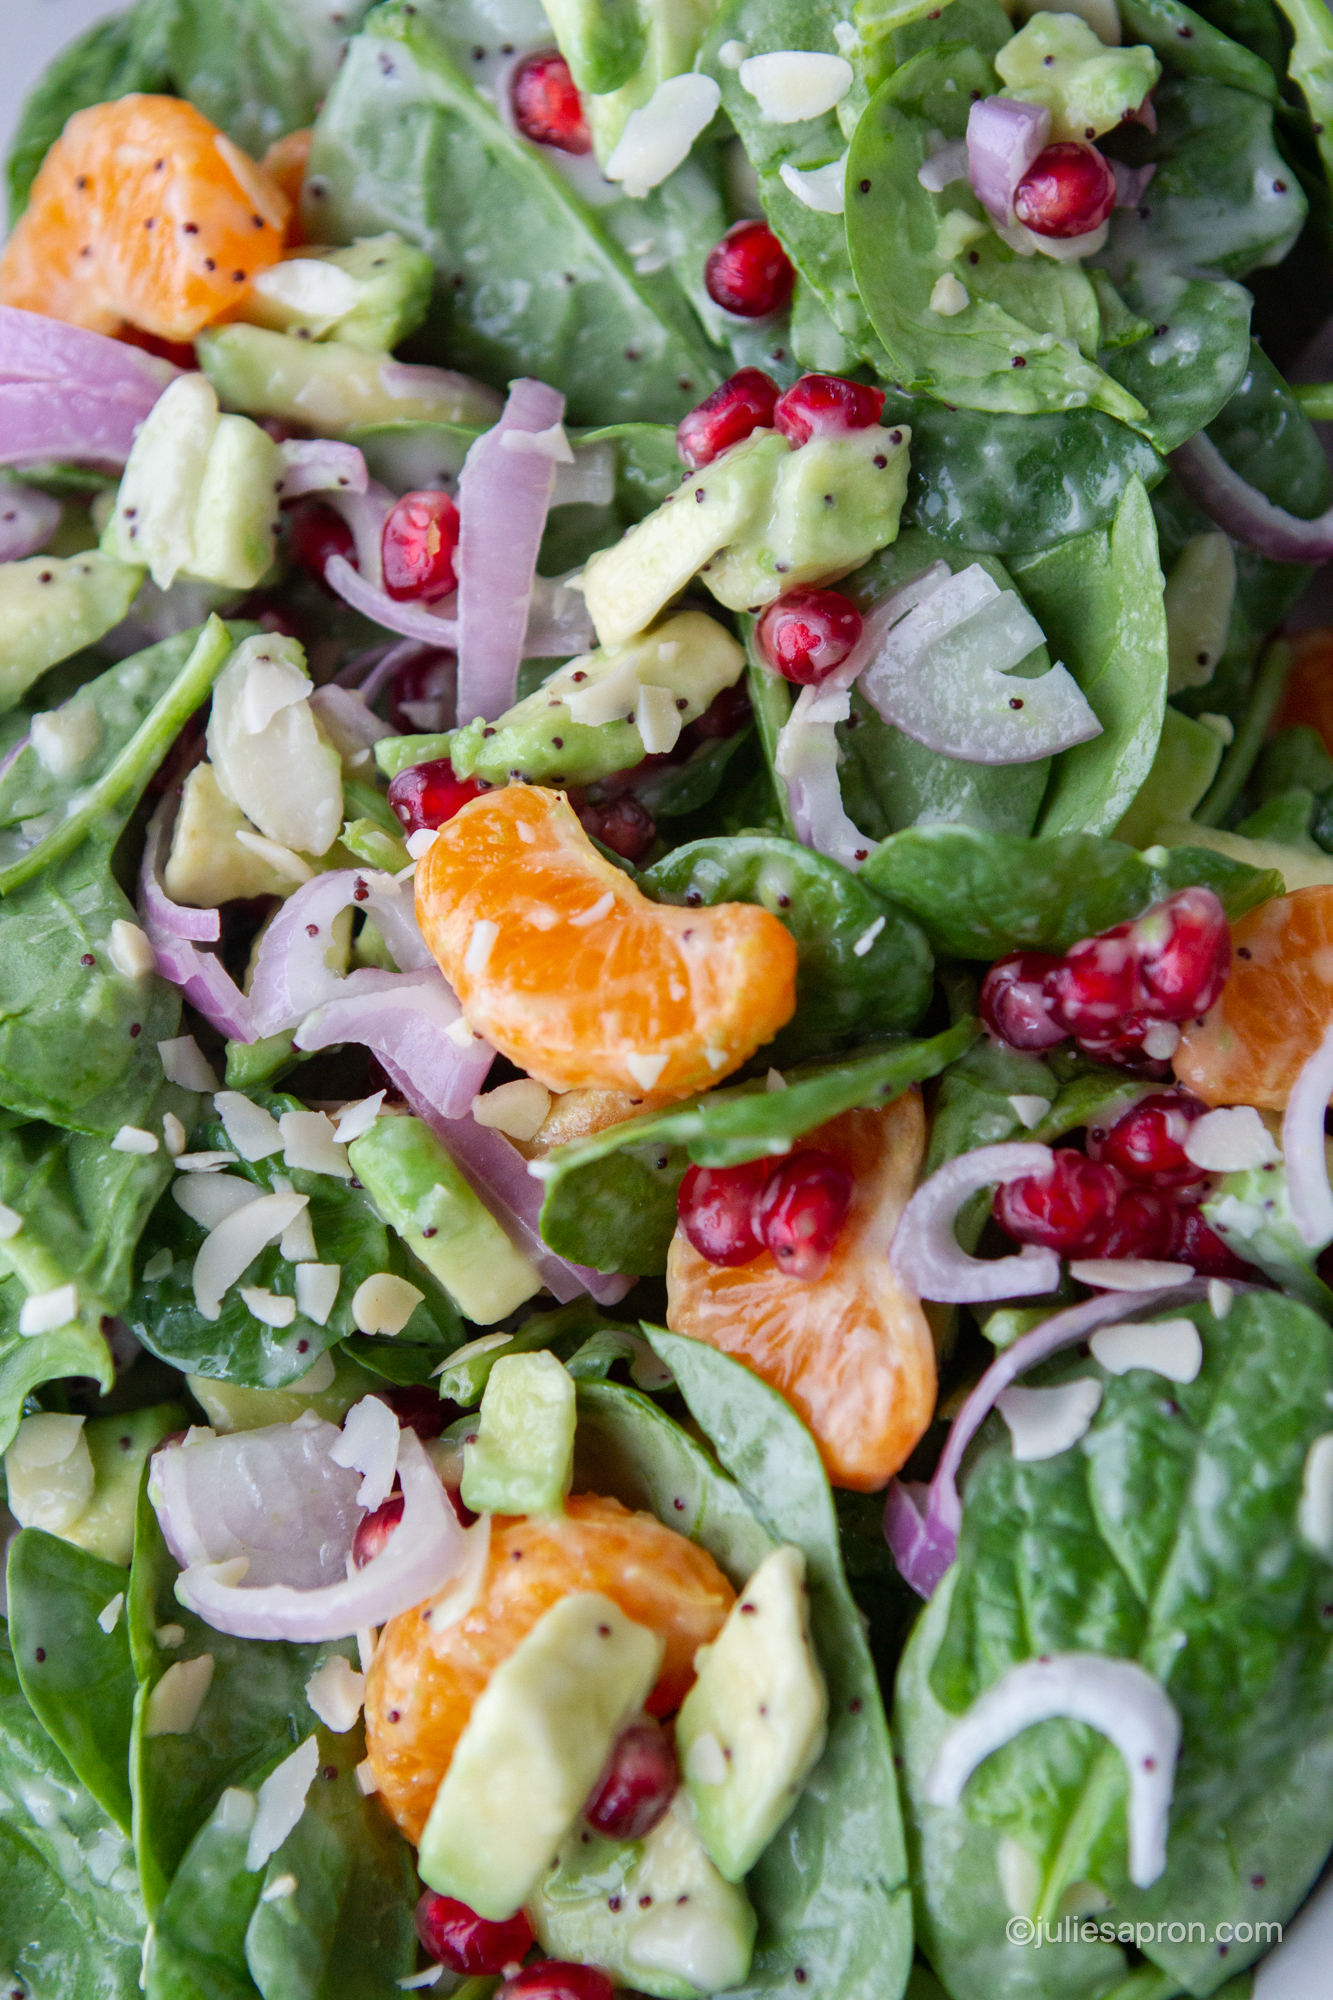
(1265, 436)
(71, 1920)
(863, 969)
(238, 1347)
(1310, 66)
(612, 1197)
(112, 58)
(197, 1950)
(979, 895)
(255, 69)
(1098, 598)
(1191, 44)
(26, 1362)
(1196, 356)
(972, 1106)
(830, 1891)
(1153, 1540)
(530, 279)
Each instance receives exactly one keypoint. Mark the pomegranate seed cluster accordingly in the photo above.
(794, 1210)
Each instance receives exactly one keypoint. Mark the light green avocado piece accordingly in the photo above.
(52, 606)
(236, 519)
(421, 1194)
(626, 585)
(370, 295)
(522, 1459)
(1057, 60)
(675, 29)
(690, 656)
(331, 386)
(1188, 754)
(207, 865)
(119, 1448)
(603, 41)
(231, 1407)
(536, 1740)
(654, 1913)
(751, 1729)
(831, 505)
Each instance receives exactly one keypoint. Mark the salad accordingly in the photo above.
(666, 1001)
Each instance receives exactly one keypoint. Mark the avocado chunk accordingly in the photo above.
(1058, 61)
(207, 864)
(626, 585)
(421, 1194)
(370, 295)
(751, 1729)
(535, 1742)
(52, 606)
(654, 1913)
(603, 41)
(120, 1448)
(522, 1460)
(547, 739)
(831, 505)
(229, 1406)
(332, 386)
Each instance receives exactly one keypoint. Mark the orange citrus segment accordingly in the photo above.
(285, 162)
(852, 1353)
(422, 1684)
(562, 964)
(1309, 692)
(1275, 1007)
(144, 212)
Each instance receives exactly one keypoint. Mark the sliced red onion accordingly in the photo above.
(806, 760)
(365, 510)
(503, 498)
(346, 716)
(409, 1023)
(28, 519)
(34, 348)
(173, 920)
(58, 421)
(320, 465)
(414, 621)
(558, 627)
(1242, 510)
(1118, 1698)
(203, 979)
(360, 669)
(273, 1494)
(1004, 137)
(1130, 183)
(292, 975)
(558, 621)
(1303, 1147)
(425, 1552)
(927, 1256)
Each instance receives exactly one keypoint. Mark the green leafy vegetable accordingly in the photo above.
(1310, 66)
(112, 58)
(198, 1945)
(1193, 45)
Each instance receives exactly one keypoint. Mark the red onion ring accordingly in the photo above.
(1243, 512)
(927, 1257)
(1303, 1147)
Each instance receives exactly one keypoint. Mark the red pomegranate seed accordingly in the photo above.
(555, 1979)
(801, 1208)
(1195, 1242)
(375, 1530)
(744, 403)
(725, 714)
(314, 533)
(638, 1784)
(417, 545)
(1143, 1225)
(426, 795)
(417, 690)
(1069, 1210)
(807, 633)
(749, 273)
(1014, 1002)
(715, 1207)
(419, 1409)
(1068, 190)
(1148, 1143)
(180, 353)
(1168, 965)
(623, 824)
(547, 106)
(823, 405)
(457, 1938)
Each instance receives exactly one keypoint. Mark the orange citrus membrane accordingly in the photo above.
(568, 969)
(422, 1684)
(852, 1353)
(1309, 693)
(143, 212)
(1275, 1007)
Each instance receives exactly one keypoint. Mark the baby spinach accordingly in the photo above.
(1098, 598)
(197, 1950)
(1265, 436)
(1310, 66)
(110, 59)
(236, 1346)
(28, 1361)
(977, 895)
(548, 291)
(611, 1199)
(1191, 44)
(830, 1890)
(1196, 355)
(863, 969)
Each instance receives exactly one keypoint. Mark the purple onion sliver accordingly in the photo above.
(34, 348)
(1004, 137)
(1243, 512)
(1130, 183)
(365, 510)
(322, 465)
(413, 621)
(1303, 1147)
(922, 1545)
(28, 519)
(163, 917)
(406, 1024)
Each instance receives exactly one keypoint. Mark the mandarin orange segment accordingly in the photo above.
(143, 212)
(568, 969)
(1275, 1007)
(285, 162)
(852, 1353)
(422, 1684)
(1309, 692)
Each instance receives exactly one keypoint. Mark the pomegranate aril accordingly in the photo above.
(419, 1409)
(749, 273)
(374, 1531)
(1195, 1242)
(417, 545)
(623, 824)
(418, 691)
(426, 795)
(725, 714)
(715, 1208)
(557, 1979)
(1067, 191)
(1015, 1004)
(807, 633)
(457, 1938)
(824, 405)
(1168, 965)
(801, 1208)
(638, 1784)
(547, 106)
(744, 403)
(1184, 948)
(314, 533)
(1148, 1143)
(1142, 1226)
(1069, 1210)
